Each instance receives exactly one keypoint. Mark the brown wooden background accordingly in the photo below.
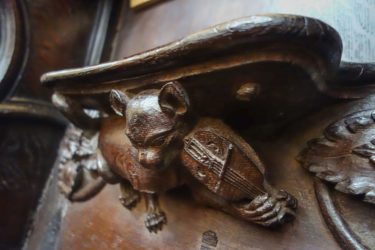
(102, 223)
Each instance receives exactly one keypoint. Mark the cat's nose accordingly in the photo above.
(148, 158)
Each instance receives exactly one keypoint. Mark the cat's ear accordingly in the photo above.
(173, 99)
(118, 100)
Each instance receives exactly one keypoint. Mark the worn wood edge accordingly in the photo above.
(356, 79)
(344, 236)
(241, 34)
(362, 73)
(242, 59)
(46, 225)
(33, 109)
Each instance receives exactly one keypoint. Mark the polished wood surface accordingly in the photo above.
(186, 224)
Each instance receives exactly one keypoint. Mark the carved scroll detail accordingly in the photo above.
(345, 155)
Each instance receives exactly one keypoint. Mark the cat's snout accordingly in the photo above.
(149, 158)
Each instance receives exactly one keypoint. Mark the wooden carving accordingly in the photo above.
(164, 137)
(150, 150)
(345, 155)
(183, 115)
(78, 166)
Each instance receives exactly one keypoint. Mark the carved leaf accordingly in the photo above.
(77, 154)
(345, 155)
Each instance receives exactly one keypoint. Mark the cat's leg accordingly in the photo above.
(155, 218)
(129, 197)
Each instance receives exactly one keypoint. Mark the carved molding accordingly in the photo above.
(32, 109)
(345, 237)
(256, 39)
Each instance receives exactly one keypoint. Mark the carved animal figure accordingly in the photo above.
(161, 145)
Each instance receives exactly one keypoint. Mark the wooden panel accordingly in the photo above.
(187, 222)
(59, 36)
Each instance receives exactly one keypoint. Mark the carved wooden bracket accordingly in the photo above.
(168, 116)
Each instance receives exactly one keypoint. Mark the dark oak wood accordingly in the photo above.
(27, 154)
(346, 238)
(257, 37)
(257, 80)
(251, 95)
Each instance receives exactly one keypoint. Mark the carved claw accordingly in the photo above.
(155, 218)
(290, 201)
(129, 197)
(155, 221)
(269, 210)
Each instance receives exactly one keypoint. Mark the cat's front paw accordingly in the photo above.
(154, 221)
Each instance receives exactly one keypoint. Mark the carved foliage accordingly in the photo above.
(78, 178)
(345, 155)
